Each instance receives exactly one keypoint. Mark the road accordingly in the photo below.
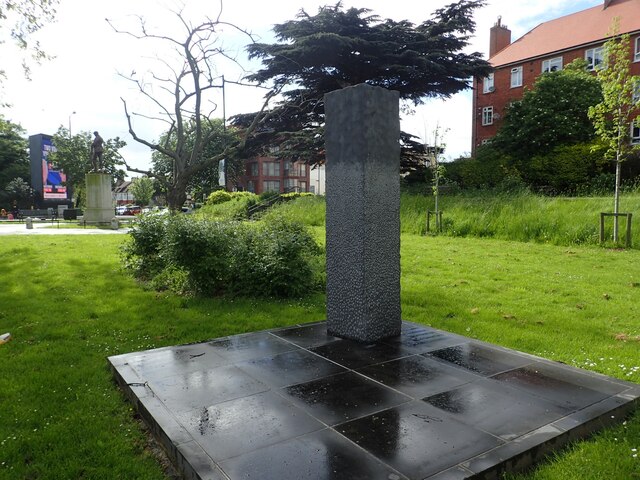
(47, 228)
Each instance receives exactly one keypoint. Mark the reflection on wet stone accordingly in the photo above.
(479, 358)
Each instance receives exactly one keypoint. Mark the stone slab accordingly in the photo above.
(296, 403)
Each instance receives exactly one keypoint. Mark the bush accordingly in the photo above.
(142, 252)
(275, 259)
(566, 168)
(217, 197)
(236, 208)
(201, 249)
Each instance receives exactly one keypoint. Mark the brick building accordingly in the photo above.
(548, 47)
(270, 174)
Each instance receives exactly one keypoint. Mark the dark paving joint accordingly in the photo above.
(297, 403)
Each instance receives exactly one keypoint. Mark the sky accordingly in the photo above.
(81, 88)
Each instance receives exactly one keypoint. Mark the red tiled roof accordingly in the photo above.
(581, 28)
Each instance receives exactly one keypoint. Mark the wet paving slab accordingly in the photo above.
(297, 403)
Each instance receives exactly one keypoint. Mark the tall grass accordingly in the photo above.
(522, 216)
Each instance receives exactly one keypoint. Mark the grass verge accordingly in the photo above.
(69, 306)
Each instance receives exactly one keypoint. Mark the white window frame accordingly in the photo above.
(635, 133)
(594, 58)
(487, 116)
(488, 84)
(636, 51)
(516, 77)
(552, 64)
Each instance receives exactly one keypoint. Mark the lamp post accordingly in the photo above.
(72, 113)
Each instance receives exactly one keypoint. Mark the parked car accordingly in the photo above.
(132, 210)
(120, 209)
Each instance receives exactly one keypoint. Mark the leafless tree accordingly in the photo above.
(183, 97)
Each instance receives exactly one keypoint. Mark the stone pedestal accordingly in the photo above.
(363, 213)
(99, 209)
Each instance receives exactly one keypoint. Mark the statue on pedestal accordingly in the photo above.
(97, 148)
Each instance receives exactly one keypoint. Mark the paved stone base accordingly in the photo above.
(295, 403)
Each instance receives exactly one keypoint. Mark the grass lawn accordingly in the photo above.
(69, 306)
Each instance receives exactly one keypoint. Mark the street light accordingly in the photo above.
(72, 113)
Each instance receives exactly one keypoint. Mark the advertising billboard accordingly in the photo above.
(47, 180)
(53, 179)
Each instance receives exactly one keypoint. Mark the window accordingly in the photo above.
(271, 169)
(255, 171)
(250, 186)
(552, 65)
(516, 77)
(594, 57)
(303, 186)
(636, 92)
(290, 185)
(487, 115)
(636, 55)
(635, 133)
(271, 186)
(487, 86)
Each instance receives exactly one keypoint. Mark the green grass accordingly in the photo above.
(516, 217)
(522, 217)
(69, 306)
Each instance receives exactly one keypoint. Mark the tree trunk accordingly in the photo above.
(176, 196)
(616, 202)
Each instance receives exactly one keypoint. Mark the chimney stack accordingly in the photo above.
(499, 37)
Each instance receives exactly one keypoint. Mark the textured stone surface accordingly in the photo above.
(363, 213)
(99, 199)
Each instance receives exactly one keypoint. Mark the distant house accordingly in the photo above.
(121, 193)
(548, 47)
(270, 174)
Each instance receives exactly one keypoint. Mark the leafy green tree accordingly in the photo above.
(73, 156)
(614, 116)
(19, 191)
(204, 180)
(554, 112)
(14, 158)
(337, 48)
(142, 189)
(19, 20)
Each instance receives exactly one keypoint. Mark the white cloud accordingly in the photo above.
(83, 76)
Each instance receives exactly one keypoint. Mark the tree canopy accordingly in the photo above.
(14, 158)
(142, 189)
(554, 112)
(19, 19)
(336, 48)
(204, 180)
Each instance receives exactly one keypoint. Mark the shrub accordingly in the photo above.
(200, 248)
(236, 208)
(566, 168)
(276, 259)
(217, 197)
(142, 252)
